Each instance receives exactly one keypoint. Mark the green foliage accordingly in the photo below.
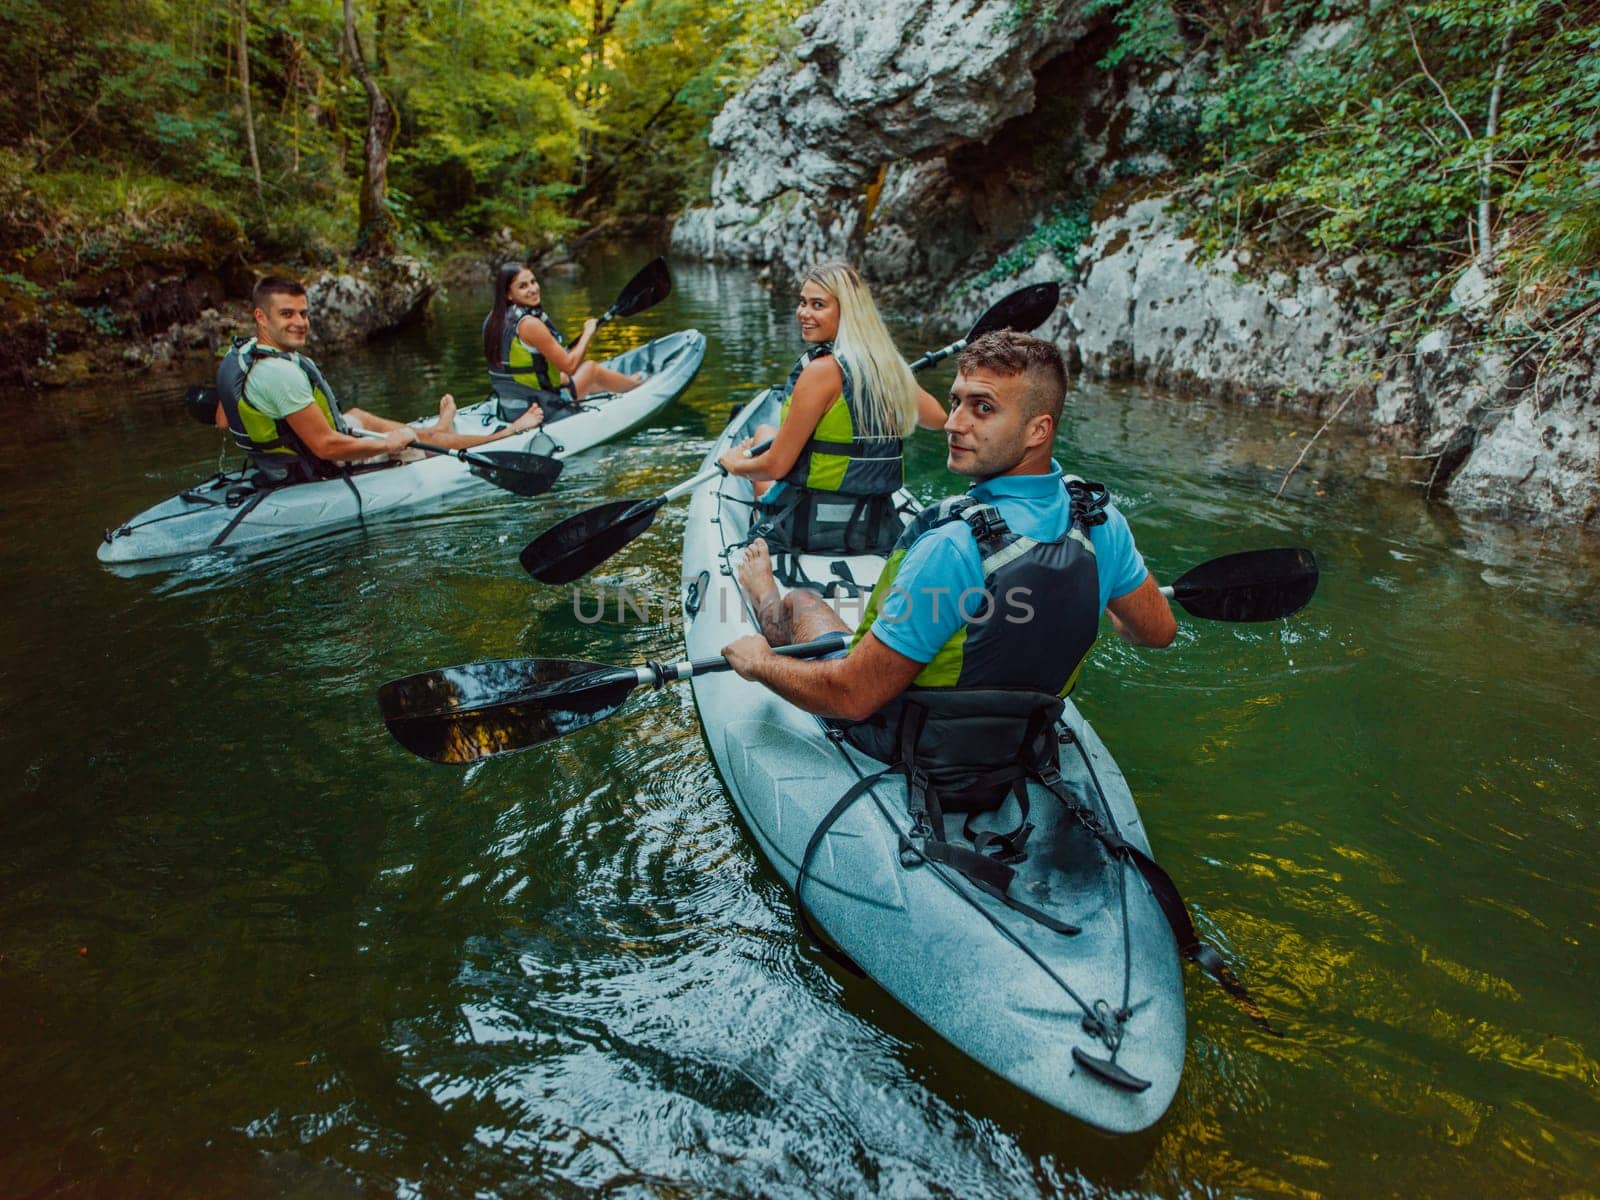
(1339, 128)
(124, 116)
(675, 63)
(1064, 229)
(1148, 32)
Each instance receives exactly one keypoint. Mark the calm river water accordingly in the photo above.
(249, 947)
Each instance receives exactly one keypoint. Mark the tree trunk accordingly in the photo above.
(377, 235)
(1486, 260)
(244, 91)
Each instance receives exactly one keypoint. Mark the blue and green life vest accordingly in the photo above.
(1040, 612)
(837, 458)
(517, 359)
(272, 445)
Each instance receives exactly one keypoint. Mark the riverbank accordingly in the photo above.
(1229, 216)
(135, 274)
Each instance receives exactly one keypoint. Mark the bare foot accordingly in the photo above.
(447, 414)
(531, 419)
(637, 377)
(755, 575)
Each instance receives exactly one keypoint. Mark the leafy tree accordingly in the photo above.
(1458, 131)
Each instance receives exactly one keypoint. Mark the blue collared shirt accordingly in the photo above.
(920, 613)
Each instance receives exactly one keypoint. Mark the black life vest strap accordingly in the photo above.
(842, 449)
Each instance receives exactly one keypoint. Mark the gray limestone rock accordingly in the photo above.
(369, 298)
(932, 142)
(1149, 307)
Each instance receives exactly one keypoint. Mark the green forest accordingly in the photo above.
(144, 134)
(151, 136)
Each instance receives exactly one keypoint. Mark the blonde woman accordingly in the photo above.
(848, 406)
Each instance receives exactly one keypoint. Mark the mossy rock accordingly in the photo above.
(27, 340)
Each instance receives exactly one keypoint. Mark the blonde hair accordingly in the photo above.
(886, 394)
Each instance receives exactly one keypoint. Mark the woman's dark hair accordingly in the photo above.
(495, 325)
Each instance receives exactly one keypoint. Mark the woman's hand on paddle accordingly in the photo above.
(397, 440)
(739, 457)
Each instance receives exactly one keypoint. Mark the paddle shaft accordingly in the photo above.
(710, 473)
(646, 674)
(658, 675)
(463, 455)
(939, 355)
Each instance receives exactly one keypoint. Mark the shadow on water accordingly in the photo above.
(254, 948)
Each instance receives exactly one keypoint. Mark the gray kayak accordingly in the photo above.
(1006, 990)
(207, 516)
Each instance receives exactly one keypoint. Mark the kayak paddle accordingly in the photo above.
(649, 287)
(518, 471)
(572, 548)
(1023, 310)
(462, 714)
(1254, 585)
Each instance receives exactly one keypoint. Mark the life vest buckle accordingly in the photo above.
(986, 523)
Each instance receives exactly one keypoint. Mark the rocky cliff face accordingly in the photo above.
(940, 147)
(893, 121)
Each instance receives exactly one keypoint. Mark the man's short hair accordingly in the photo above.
(1006, 352)
(274, 285)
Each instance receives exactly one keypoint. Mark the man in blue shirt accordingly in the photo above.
(933, 621)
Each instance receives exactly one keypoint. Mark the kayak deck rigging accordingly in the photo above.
(1092, 1021)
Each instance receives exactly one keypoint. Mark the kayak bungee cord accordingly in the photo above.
(188, 495)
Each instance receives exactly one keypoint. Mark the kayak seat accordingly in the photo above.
(513, 398)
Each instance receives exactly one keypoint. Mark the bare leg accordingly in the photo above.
(800, 616)
(592, 377)
(441, 434)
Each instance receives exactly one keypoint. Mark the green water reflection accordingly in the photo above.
(250, 947)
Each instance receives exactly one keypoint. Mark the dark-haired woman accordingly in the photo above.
(520, 340)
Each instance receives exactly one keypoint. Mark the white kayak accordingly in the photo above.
(210, 515)
(1003, 988)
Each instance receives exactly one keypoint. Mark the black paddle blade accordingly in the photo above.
(517, 471)
(572, 548)
(650, 286)
(200, 402)
(1256, 585)
(1023, 310)
(461, 714)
